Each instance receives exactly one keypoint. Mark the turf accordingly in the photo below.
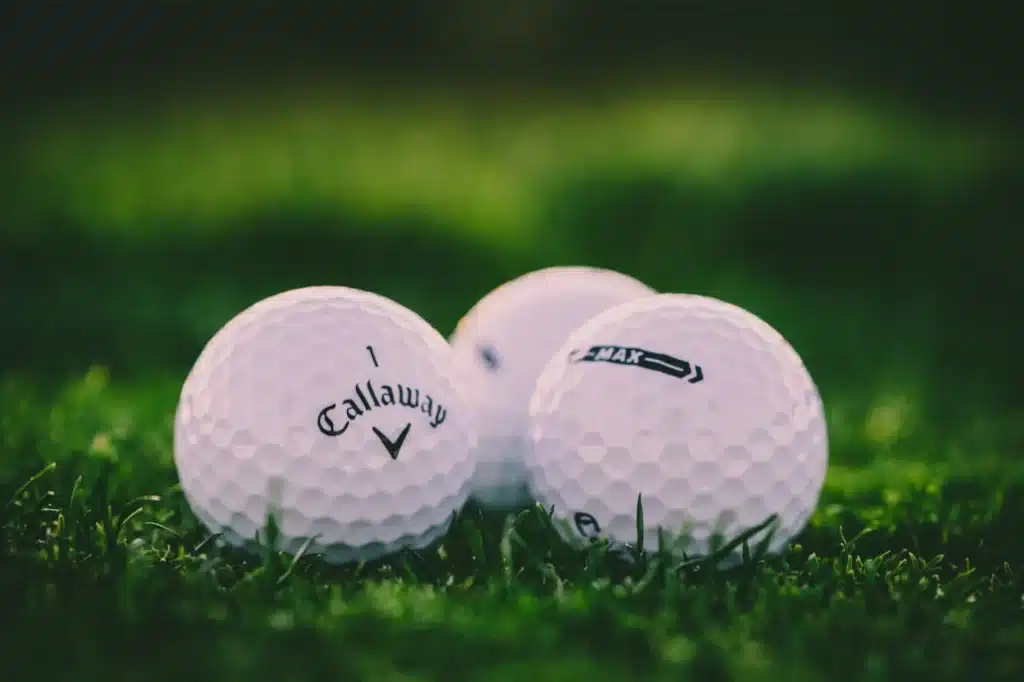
(912, 567)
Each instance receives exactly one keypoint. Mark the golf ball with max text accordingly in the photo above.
(694, 406)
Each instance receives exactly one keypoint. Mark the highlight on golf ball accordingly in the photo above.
(694, 406)
(503, 343)
(334, 410)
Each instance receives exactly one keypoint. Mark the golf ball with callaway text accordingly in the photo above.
(503, 343)
(336, 410)
(694, 406)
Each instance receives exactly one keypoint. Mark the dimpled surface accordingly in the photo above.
(248, 442)
(503, 344)
(713, 457)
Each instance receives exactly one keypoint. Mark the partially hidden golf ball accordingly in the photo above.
(502, 345)
(336, 411)
(694, 407)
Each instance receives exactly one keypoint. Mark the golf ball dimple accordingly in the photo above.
(503, 343)
(337, 411)
(694, 406)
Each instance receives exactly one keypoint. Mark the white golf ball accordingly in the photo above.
(694, 405)
(502, 345)
(336, 411)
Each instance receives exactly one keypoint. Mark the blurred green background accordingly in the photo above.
(852, 177)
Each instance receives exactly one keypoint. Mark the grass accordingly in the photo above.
(911, 568)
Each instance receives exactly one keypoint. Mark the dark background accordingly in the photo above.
(964, 57)
(866, 236)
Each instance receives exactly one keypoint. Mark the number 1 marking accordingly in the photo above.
(373, 356)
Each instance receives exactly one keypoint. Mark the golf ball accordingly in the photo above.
(503, 343)
(336, 411)
(693, 406)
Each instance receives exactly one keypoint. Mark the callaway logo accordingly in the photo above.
(367, 397)
(377, 396)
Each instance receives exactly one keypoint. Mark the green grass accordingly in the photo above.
(911, 568)
(134, 233)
